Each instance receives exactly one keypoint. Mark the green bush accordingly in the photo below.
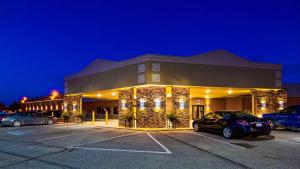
(171, 116)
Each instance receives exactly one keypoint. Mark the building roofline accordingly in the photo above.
(215, 58)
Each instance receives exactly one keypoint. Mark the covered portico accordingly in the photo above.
(148, 88)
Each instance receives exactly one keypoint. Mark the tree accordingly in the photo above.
(2, 106)
(15, 106)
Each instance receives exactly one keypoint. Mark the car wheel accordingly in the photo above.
(227, 132)
(196, 127)
(272, 124)
(50, 122)
(17, 123)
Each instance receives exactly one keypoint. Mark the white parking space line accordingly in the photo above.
(161, 145)
(283, 140)
(122, 150)
(62, 136)
(96, 141)
(224, 142)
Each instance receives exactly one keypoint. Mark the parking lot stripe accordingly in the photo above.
(56, 137)
(294, 142)
(217, 140)
(96, 141)
(161, 145)
(122, 150)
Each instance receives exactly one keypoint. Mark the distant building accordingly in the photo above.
(293, 91)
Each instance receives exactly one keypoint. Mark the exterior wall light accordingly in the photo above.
(142, 103)
(263, 105)
(281, 105)
(46, 107)
(123, 104)
(207, 91)
(74, 107)
(229, 91)
(113, 93)
(56, 107)
(181, 104)
(99, 95)
(51, 107)
(169, 95)
(65, 106)
(157, 103)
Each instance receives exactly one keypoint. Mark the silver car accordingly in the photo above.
(25, 118)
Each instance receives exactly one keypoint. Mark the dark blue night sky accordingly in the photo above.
(41, 42)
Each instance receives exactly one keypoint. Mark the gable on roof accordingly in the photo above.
(221, 57)
(98, 65)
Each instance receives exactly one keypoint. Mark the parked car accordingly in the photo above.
(232, 124)
(287, 118)
(25, 118)
(2, 114)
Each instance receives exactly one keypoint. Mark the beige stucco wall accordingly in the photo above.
(187, 74)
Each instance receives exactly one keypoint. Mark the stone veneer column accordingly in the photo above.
(127, 97)
(73, 106)
(149, 116)
(270, 97)
(183, 115)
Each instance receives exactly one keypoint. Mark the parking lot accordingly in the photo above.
(79, 146)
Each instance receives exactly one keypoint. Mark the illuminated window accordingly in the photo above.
(141, 78)
(155, 77)
(141, 68)
(155, 67)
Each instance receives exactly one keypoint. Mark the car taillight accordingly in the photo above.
(267, 123)
(242, 122)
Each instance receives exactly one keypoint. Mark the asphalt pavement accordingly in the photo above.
(81, 146)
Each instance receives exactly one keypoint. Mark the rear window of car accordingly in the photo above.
(242, 114)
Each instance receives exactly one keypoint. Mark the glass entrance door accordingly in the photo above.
(197, 111)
